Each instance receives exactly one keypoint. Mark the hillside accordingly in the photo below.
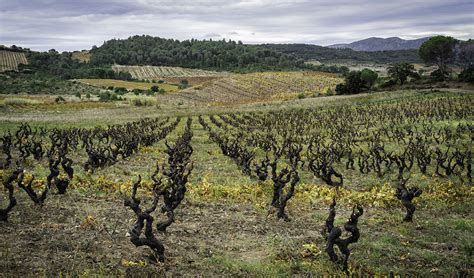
(326, 54)
(245, 88)
(381, 44)
(206, 54)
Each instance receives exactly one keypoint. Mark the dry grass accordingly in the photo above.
(141, 100)
(83, 56)
(14, 101)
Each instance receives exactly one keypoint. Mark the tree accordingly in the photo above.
(467, 75)
(353, 84)
(154, 88)
(183, 84)
(466, 54)
(401, 72)
(369, 76)
(438, 50)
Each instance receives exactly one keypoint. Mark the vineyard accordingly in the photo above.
(170, 74)
(262, 86)
(308, 191)
(9, 60)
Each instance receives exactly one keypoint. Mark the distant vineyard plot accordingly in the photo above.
(245, 88)
(9, 60)
(170, 74)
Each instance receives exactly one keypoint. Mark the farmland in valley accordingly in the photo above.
(262, 86)
(170, 74)
(9, 60)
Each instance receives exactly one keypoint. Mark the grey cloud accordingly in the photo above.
(211, 36)
(70, 24)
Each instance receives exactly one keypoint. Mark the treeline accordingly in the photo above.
(64, 66)
(14, 48)
(206, 54)
(325, 54)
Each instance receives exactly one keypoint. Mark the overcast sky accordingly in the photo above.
(79, 24)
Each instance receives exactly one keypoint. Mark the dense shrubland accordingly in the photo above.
(216, 55)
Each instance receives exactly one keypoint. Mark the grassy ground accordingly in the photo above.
(130, 85)
(223, 227)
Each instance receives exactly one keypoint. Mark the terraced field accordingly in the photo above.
(170, 74)
(261, 86)
(9, 60)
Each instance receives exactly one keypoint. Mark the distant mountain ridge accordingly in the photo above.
(381, 44)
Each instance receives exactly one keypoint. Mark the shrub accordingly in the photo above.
(388, 83)
(150, 92)
(467, 75)
(183, 84)
(353, 84)
(120, 90)
(138, 91)
(59, 99)
(108, 96)
(369, 76)
(154, 88)
(401, 72)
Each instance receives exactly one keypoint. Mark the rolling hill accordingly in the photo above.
(261, 86)
(381, 44)
(326, 54)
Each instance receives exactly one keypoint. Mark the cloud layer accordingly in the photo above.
(75, 25)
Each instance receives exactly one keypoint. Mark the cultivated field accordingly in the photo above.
(170, 74)
(9, 60)
(244, 88)
(356, 149)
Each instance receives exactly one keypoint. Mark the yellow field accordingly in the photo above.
(244, 88)
(130, 85)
